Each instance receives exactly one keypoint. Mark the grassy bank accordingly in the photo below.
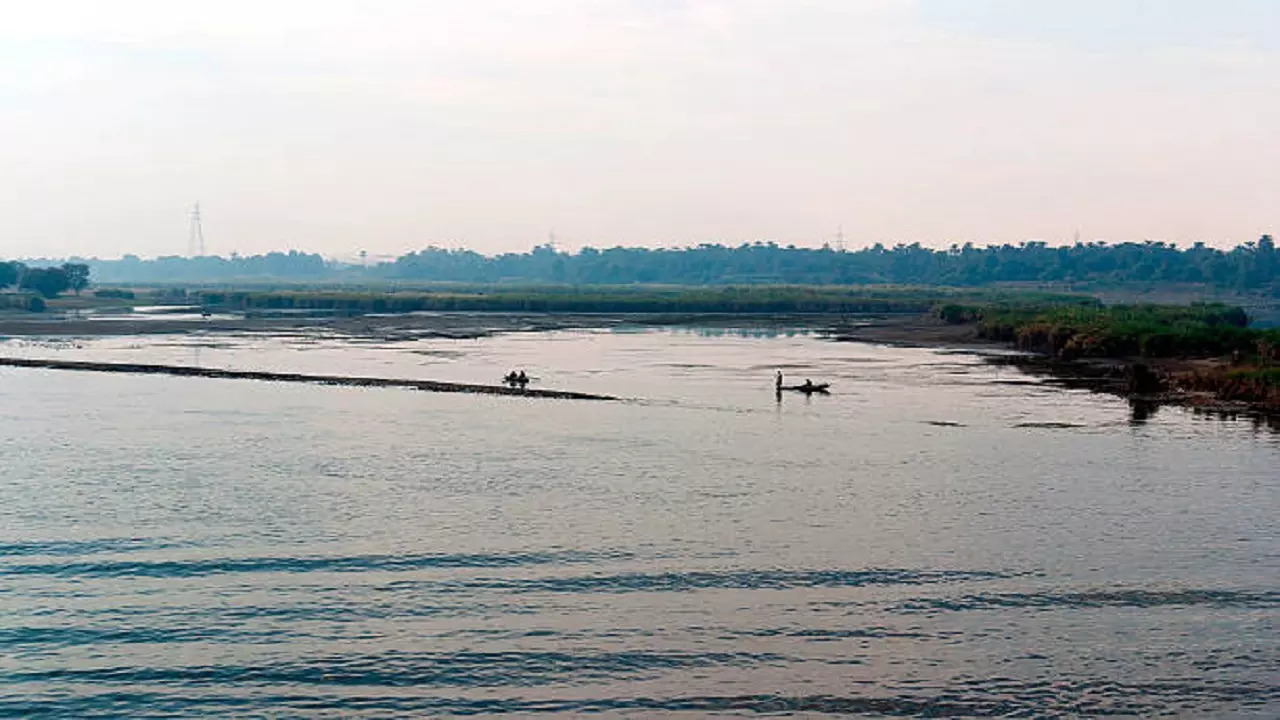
(1257, 386)
(1151, 331)
(1242, 359)
(630, 299)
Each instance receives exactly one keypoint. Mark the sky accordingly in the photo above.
(333, 126)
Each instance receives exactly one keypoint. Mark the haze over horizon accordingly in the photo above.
(338, 126)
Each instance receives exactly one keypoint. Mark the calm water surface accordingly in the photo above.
(937, 537)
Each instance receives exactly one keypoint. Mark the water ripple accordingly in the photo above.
(406, 669)
(1098, 599)
(351, 563)
(44, 638)
(728, 580)
(1001, 698)
(73, 548)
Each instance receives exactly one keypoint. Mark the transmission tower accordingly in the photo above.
(195, 234)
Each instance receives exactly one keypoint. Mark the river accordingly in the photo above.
(938, 536)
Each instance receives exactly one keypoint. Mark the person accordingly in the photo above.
(807, 383)
(511, 377)
(522, 378)
(777, 381)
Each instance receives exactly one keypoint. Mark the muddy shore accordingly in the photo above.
(185, 371)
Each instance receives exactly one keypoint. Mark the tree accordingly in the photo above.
(77, 276)
(9, 272)
(1252, 267)
(46, 281)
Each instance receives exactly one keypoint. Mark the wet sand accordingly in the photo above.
(187, 371)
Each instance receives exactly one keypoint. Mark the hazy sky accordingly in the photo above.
(389, 125)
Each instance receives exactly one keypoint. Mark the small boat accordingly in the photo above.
(823, 388)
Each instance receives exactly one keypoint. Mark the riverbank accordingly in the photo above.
(1202, 383)
(1214, 383)
(1204, 355)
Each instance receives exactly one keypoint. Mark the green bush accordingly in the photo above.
(1152, 331)
(114, 293)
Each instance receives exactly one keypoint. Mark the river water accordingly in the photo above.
(937, 537)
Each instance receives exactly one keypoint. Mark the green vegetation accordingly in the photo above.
(1252, 267)
(47, 281)
(22, 301)
(1269, 376)
(1258, 386)
(77, 276)
(9, 273)
(1216, 352)
(115, 293)
(647, 299)
(1150, 331)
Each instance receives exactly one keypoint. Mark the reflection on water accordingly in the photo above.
(736, 332)
(1110, 380)
(931, 539)
(1257, 421)
(1141, 410)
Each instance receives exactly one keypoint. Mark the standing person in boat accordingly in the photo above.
(777, 381)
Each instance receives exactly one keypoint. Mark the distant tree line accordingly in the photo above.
(283, 265)
(49, 282)
(1250, 267)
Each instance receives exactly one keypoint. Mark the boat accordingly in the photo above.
(823, 388)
